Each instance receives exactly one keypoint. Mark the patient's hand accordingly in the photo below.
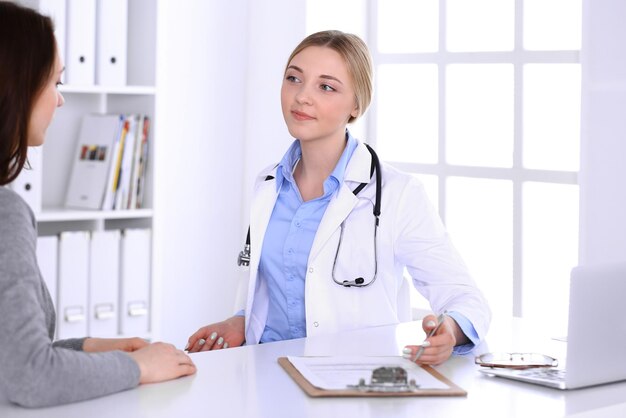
(94, 345)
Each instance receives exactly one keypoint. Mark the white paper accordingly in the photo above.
(337, 372)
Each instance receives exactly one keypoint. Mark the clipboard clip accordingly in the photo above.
(387, 379)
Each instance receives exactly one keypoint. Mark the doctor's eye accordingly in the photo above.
(326, 87)
(292, 78)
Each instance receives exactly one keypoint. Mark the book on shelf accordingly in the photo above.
(92, 161)
(125, 168)
(109, 165)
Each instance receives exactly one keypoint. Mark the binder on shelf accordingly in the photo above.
(93, 161)
(28, 183)
(104, 261)
(72, 284)
(47, 258)
(56, 10)
(80, 57)
(111, 46)
(135, 282)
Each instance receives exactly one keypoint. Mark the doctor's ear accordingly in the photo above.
(355, 112)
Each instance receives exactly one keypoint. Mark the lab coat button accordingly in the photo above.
(315, 324)
(310, 269)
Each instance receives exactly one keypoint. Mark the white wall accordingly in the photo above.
(201, 73)
(603, 146)
(271, 38)
(219, 71)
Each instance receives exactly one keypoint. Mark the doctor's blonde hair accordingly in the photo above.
(357, 57)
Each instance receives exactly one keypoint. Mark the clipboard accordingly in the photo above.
(316, 392)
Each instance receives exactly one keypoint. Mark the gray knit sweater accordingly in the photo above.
(34, 370)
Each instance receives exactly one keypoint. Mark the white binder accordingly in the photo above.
(111, 47)
(47, 258)
(72, 282)
(80, 60)
(135, 282)
(28, 183)
(104, 283)
(56, 10)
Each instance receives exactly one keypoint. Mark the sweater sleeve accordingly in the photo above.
(34, 372)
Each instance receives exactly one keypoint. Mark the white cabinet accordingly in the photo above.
(138, 95)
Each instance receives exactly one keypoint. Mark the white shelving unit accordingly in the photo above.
(138, 96)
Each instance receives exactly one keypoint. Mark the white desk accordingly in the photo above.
(248, 382)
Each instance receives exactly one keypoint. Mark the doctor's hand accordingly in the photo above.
(437, 348)
(94, 345)
(229, 333)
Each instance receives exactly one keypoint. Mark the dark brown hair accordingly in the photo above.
(357, 57)
(27, 56)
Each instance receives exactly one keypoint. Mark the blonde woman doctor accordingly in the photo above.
(323, 260)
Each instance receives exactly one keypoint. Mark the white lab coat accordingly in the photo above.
(410, 235)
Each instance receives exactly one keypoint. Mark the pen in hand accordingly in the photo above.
(432, 332)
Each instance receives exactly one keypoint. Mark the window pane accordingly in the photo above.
(407, 26)
(551, 116)
(346, 15)
(479, 114)
(480, 25)
(552, 24)
(407, 129)
(479, 218)
(550, 231)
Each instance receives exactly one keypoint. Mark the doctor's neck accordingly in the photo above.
(319, 158)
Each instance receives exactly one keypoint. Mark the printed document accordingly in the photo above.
(337, 372)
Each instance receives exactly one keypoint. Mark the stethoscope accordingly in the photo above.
(244, 256)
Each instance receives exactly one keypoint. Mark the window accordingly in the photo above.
(480, 99)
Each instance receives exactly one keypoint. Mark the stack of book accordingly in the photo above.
(109, 168)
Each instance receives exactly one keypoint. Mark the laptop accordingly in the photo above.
(596, 332)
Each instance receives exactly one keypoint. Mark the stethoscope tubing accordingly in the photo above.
(244, 256)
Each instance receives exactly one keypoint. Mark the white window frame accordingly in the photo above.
(517, 174)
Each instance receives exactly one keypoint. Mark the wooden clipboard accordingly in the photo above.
(315, 392)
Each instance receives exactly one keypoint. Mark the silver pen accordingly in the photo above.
(432, 332)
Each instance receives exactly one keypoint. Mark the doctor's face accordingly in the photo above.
(317, 95)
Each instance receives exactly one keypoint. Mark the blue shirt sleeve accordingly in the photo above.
(240, 313)
(469, 331)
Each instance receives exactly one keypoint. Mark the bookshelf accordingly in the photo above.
(137, 96)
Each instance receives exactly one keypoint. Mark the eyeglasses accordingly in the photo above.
(515, 360)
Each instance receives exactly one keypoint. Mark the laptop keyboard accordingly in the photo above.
(556, 375)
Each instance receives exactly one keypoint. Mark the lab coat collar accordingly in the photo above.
(358, 169)
(339, 208)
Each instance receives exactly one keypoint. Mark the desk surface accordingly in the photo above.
(248, 382)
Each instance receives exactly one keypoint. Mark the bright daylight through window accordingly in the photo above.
(480, 99)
